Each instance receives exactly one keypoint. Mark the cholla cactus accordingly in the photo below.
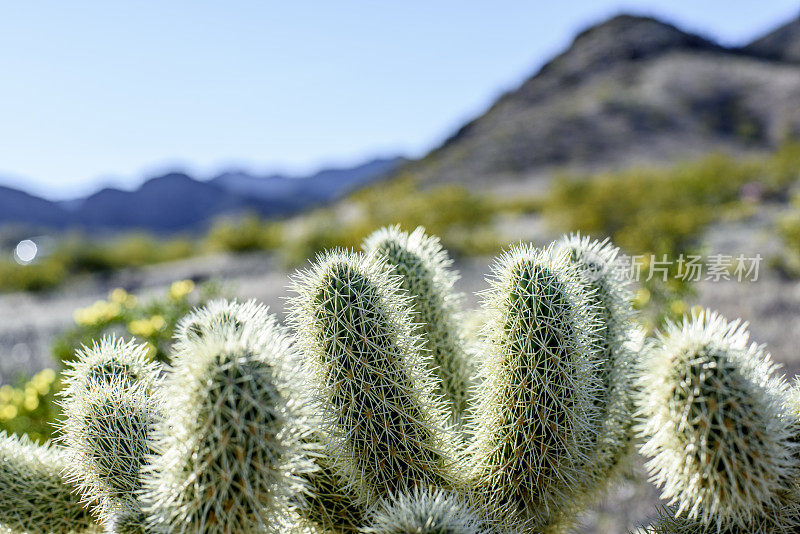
(595, 261)
(35, 496)
(345, 428)
(715, 425)
(331, 506)
(231, 453)
(112, 360)
(426, 274)
(108, 433)
(110, 409)
(536, 420)
(385, 425)
(425, 511)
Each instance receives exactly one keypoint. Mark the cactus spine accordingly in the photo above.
(331, 506)
(110, 410)
(231, 453)
(112, 360)
(427, 276)
(595, 261)
(35, 496)
(715, 427)
(425, 511)
(536, 420)
(218, 314)
(385, 425)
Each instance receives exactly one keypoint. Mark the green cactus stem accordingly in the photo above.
(353, 325)
(427, 276)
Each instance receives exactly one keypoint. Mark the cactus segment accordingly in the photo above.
(716, 431)
(537, 418)
(35, 496)
(232, 452)
(427, 276)
(386, 426)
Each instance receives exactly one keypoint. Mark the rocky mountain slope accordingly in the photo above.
(783, 44)
(630, 90)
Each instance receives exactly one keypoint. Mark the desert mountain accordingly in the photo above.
(630, 90)
(783, 44)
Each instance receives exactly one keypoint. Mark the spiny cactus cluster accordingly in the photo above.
(720, 429)
(374, 412)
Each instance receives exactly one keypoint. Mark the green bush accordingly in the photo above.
(460, 217)
(657, 211)
(27, 406)
(152, 321)
(247, 234)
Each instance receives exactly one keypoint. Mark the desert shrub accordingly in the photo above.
(787, 227)
(663, 210)
(246, 234)
(27, 407)
(461, 218)
(150, 320)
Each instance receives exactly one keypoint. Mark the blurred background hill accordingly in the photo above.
(631, 90)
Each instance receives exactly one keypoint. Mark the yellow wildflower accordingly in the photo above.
(99, 312)
(31, 401)
(42, 380)
(122, 297)
(642, 297)
(8, 411)
(157, 322)
(6, 393)
(180, 289)
(141, 328)
(678, 307)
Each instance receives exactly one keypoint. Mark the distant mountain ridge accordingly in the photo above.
(629, 90)
(176, 201)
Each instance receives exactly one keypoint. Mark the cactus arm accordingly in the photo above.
(231, 453)
(427, 276)
(536, 418)
(353, 326)
(35, 496)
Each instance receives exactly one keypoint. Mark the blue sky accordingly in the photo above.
(96, 93)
